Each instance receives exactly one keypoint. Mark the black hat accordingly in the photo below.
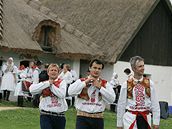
(38, 63)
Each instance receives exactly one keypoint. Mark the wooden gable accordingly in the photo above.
(154, 40)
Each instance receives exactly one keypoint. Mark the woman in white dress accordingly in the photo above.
(9, 81)
(22, 74)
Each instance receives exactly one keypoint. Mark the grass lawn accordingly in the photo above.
(28, 118)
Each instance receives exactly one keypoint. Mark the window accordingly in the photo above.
(47, 38)
(47, 34)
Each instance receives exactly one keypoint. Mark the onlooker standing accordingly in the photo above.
(52, 103)
(29, 78)
(127, 71)
(43, 76)
(0, 83)
(21, 74)
(67, 76)
(9, 80)
(93, 93)
(35, 78)
(75, 77)
(116, 87)
(114, 80)
(137, 100)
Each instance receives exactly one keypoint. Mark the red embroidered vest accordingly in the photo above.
(84, 92)
(47, 92)
(130, 85)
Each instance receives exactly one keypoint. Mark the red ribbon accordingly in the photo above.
(144, 114)
(57, 83)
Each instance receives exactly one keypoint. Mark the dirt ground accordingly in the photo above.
(9, 108)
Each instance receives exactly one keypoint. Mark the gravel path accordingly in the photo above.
(9, 108)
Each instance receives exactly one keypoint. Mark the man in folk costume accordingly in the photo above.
(93, 93)
(9, 79)
(52, 103)
(137, 100)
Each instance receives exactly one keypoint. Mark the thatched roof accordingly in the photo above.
(112, 24)
(21, 21)
(16, 34)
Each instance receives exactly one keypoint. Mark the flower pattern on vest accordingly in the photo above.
(84, 92)
(47, 92)
(93, 95)
(131, 84)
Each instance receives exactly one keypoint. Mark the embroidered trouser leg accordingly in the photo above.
(89, 123)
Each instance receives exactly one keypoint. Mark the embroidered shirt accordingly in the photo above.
(94, 104)
(54, 103)
(139, 102)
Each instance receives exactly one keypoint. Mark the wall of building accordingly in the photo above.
(107, 72)
(45, 58)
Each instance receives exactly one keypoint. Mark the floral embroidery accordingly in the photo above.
(84, 92)
(131, 83)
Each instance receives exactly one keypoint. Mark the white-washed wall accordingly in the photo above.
(45, 58)
(107, 72)
(76, 67)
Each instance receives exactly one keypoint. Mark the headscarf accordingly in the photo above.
(10, 66)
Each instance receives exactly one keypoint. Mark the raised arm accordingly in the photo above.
(37, 88)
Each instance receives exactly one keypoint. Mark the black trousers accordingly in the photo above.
(20, 101)
(52, 122)
(36, 101)
(141, 122)
(0, 96)
(6, 95)
(89, 123)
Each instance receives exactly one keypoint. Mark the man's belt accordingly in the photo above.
(141, 113)
(91, 115)
(43, 112)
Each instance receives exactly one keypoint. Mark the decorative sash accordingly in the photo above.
(90, 115)
(47, 92)
(131, 83)
(144, 114)
(84, 92)
(25, 86)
